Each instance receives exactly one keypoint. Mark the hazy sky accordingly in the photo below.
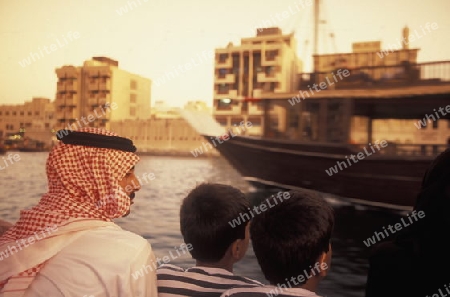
(158, 35)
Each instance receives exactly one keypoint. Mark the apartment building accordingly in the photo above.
(98, 93)
(266, 63)
(34, 119)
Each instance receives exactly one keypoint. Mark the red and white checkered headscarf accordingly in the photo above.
(83, 182)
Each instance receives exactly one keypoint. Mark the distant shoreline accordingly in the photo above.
(150, 153)
(176, 154)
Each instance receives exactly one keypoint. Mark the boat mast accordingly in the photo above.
(316, 25)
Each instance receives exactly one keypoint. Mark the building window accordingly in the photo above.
(133, 84)
(21, 113)
(0, 113)
(270, 71)
(271, 55)
(133, 98)
(222, 121)
(224, 104)
(273, 85)
(435, 124)
(236, 121)
(132, 111)
(36, 113)
(30, 113)
(7, 113)
(14, 113)
(223, 58)
(223, 89)
(222, 72)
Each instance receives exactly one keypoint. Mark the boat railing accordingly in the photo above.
(404, 74)
(394, 149)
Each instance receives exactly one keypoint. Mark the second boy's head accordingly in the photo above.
(206, 222)
(291, 240)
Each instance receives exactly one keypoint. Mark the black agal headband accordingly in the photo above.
(96, 140)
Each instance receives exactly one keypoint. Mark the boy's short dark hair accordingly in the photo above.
(289, 238)
(205, 217)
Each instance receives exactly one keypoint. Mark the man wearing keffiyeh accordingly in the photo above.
(91, 181)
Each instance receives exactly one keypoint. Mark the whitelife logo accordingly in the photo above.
(69, 37)
(378, 236)
(205, 56)
(360, 156)
(411, 38)
(182, 250)
(26, 242)
(258, 209)
(323, 85)
(279, 17)
(220, 139)
(300, 279)
(10, 160)
(423, 123)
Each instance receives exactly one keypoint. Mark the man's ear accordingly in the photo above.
(237, 249)
(324, 260)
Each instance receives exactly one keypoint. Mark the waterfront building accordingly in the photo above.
(33, 119)
(266, 63)
(98, 93)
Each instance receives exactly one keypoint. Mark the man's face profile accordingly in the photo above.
(130, 184)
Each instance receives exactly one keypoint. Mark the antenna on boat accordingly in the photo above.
(316, 25)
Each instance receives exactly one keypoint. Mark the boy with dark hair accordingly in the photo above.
(292, 244)
(216, 244)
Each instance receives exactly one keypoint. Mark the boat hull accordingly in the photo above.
(376, 180)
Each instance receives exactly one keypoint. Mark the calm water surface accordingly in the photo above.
(155, 214)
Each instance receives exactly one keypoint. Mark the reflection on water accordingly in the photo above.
(156, 211)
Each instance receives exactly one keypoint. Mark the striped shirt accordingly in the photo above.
(269, 291)
(198, 281)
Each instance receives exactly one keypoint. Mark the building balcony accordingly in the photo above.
(70, 102)
(255, 109)
(232, 94)
(227, 64)
(66, 102)
(67, 113)
(105, 72)
(231, 110)
(93, 85)
(229, 78)
(270, 62)
(67, 72)
(72, 86)
(104, 100)
(104, 85)
(93, 101)
(67, 86)
(257, 93)
(263, 77)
